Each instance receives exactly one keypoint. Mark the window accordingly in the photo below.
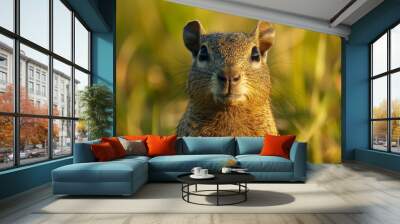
(7, 14)
(62, 137)
(30, 72)
(30, 87)
(3, 78)
(62, 32)
(54, 66)
(385, 94)
(6, 73)
(3, 61)
(44, 91)
(38, 74)
(81, 45)
(62, 74)
(6, 142)
(37, 89)
(34, 21)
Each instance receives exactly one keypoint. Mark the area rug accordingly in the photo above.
(166, 198)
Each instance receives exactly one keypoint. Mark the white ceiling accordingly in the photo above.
(327, 16)
(321, 9)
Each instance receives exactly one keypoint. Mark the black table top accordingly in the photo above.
(220, 178)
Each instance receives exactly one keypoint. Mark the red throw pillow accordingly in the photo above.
(161, 145)
(116, 145)
(103, 152)
(277, 145)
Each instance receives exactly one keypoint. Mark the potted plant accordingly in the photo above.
(96, 102)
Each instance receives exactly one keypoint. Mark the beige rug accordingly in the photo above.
(166, 198)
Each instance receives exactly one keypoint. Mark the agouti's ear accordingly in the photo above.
(191, 36)
(265, 34)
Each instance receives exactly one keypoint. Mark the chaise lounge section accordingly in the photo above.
(125, 176)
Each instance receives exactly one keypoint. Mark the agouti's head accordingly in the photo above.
(228, 68)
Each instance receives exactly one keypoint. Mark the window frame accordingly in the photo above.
(388, 74)
(16, 115)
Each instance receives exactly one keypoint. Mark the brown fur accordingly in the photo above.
(228, 108)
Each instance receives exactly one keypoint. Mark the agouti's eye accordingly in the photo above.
(203, 53)
(255, 54)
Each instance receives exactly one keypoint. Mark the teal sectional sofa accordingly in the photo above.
(125, 176)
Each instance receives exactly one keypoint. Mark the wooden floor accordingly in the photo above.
(377, 188)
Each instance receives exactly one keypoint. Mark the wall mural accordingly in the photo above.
(196, 72)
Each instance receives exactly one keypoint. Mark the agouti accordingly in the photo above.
(229, 83)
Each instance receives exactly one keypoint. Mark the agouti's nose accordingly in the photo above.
(232, 79)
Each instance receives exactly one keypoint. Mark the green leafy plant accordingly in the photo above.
(96, 102)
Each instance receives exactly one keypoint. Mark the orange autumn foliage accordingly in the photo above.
(33, 130)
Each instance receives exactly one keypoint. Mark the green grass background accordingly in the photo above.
(152, 67)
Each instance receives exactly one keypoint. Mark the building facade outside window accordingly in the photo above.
(41, 123)
(385, 91)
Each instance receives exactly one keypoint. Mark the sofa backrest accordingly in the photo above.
(249, 145)
(206, 145)
(83, 152)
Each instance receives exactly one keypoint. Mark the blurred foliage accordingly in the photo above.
(152, 67)
(379, 128)
(96, 102)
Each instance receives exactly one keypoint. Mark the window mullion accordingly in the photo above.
(73, 82)
(50, 81)
(371, 89)
(16, 84)
(389, 112)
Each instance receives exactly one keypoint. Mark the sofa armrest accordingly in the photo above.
(83, 152)
(298, 155)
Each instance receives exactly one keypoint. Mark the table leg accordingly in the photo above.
(195, 188)
(188, 189)
(217, 194)
(245, 193)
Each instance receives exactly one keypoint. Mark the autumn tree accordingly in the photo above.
(33, 131)
(380, 127)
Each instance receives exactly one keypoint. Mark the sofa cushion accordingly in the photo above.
(161, 145)
(133, 158)
(257, 163)
(134, 147)
(103, 152)
(206, 145)
(111, 171)
(116, 145)
(135, 137)
(185, 163)
(249, 145)
(277, 145)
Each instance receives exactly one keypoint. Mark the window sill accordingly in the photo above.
(30, 166)
(382, 159)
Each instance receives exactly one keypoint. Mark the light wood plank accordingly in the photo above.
(377, 191)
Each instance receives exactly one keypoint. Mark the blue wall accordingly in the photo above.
(355, 83)
(24, 178)
(103, 53)
(99, 15)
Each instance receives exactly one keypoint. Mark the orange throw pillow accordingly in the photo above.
(161, 145)
(116, 145)
(103, 152)
(136, 137)
(277, 145)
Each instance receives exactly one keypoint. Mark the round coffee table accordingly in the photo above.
(238, 179)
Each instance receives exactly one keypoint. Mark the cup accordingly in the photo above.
(203, 172)
(196, 171)
(226, 170)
